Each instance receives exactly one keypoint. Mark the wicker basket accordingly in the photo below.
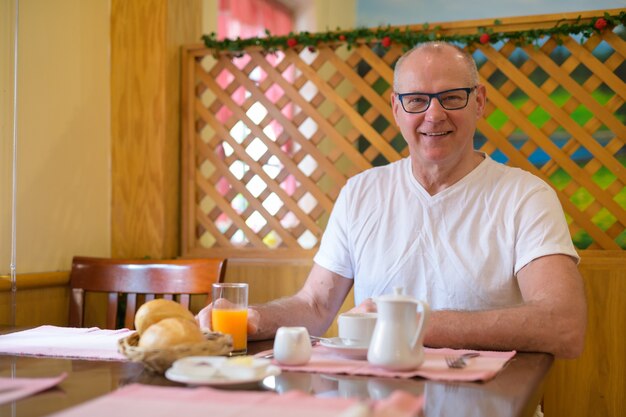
(159, 360)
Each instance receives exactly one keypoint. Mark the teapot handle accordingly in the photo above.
(420, 330)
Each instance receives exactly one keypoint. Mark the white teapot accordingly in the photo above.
(397, 342)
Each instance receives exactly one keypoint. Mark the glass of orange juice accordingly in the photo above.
(230, 313)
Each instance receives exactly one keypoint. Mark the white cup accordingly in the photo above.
(356, 328)
(292, 346)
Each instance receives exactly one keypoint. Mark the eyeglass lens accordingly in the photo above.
(449, 100)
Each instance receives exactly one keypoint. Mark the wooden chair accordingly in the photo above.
(147, 278)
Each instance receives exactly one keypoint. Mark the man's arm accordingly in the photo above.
(552, 318)
(314, 306)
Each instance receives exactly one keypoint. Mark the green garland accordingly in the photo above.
(407, 38)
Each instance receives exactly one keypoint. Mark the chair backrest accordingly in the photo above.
(147, 278)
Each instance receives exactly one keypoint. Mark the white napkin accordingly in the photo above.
(67, 342)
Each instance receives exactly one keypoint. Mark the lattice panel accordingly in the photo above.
(561, 116)
(270, 139)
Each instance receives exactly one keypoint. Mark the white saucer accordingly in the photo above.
(337, 345)
(218, 379)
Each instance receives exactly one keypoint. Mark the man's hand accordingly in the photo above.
(367, 306)
(204, 319)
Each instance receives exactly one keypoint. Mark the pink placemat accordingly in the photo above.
(66, 342)
(144, 400)
(481, 368)
(12, 389)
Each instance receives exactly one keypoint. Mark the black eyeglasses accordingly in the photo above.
(454, 99)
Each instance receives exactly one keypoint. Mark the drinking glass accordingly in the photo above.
(230, 313)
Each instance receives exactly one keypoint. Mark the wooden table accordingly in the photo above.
(514, 392)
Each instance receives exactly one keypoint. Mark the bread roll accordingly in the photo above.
(170, 332)
(156, 310)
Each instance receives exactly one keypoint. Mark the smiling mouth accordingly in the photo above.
(435, 133)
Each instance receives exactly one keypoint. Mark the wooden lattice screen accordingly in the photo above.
(270, 139)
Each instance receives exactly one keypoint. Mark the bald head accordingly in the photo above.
(438, 48)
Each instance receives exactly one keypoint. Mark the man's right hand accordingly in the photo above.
(204, 319)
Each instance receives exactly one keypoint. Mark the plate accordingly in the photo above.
(337, 345)
(218, 379)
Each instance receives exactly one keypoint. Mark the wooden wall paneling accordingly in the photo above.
(138, 126)
(48, 305)
(42, 298)
(146, 38)
(268, 280)
(595, 383)
(184, 25)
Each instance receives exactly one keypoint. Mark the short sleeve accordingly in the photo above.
(541, 228)
(334, 252)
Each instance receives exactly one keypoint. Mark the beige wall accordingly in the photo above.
(332, 14)
(63, 199)
(209, 16)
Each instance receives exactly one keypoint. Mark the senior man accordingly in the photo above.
(486, 245)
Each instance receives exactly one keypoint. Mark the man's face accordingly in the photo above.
(437, 136)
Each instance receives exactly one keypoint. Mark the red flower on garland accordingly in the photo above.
(291, 42)
(484, 38)
(342, 37)
(600, 24)
(386, 42)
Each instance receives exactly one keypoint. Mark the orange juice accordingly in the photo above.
(234, 323)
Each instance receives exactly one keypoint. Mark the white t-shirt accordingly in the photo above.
(459, 249)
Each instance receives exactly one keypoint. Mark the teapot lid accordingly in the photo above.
(397, 296)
